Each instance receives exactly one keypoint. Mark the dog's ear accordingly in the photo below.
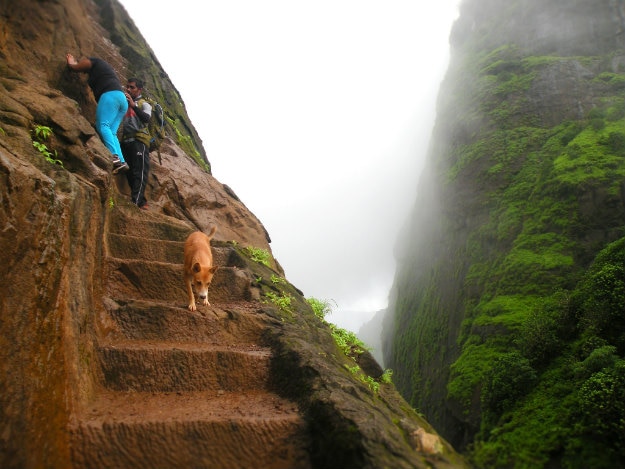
(197, 267)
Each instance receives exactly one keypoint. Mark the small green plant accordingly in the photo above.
(321, 308)
(368, 380)
(259, 255)
(278, 280)
(2, 131)
(372, 383)
(387, 376)
(281, 301)
(347, 341)
(111, 202)
(51, 157)
(40, 134)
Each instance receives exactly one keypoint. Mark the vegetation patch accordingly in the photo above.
(282, 301)
(41, 134)
(262, 256)
(559, 387)
(349, 344)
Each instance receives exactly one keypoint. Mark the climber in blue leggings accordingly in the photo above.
(112, 103)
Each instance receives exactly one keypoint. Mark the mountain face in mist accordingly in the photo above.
(369, 333)
(506, 321)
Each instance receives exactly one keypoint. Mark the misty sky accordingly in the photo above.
(318, 115)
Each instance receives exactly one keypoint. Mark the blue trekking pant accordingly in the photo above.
(108, 116)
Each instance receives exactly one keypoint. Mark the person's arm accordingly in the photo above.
(144, 112)
(84, 65)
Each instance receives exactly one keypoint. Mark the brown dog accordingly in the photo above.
(198, 266)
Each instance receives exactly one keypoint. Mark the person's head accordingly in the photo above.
(134, 87)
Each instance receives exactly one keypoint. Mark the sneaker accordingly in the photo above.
(119, 167)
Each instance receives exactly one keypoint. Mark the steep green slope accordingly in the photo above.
(507, 309)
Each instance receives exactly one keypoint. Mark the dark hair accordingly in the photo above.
(136, 81)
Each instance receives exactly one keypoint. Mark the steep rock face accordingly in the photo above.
(53, 219)
(102, 365)
(523, 189)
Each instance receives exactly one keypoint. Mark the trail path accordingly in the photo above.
(181, 389)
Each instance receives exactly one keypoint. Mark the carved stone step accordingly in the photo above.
(167, 367)
(241, 323)
(149, 280)
(140, 247)
(133, 222)
(200, 430)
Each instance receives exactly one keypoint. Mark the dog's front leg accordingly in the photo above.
(191, 296)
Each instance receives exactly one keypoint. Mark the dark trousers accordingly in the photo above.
(137, 156)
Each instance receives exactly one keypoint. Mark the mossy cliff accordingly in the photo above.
(506, 326)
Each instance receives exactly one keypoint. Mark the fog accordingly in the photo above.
(318, 115)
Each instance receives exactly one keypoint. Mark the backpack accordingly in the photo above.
(156, 126)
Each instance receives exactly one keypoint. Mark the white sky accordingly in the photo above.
(317, 113)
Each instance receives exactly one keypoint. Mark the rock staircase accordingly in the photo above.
(181, 389)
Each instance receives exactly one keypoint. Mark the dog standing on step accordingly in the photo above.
(198, 266)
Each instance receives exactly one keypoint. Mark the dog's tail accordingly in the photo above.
(212, 232)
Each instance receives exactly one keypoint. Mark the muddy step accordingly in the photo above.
(132, 222)
(167, 367)
(145, 320)
(149, 280)
(138, 247)
(190, 430)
